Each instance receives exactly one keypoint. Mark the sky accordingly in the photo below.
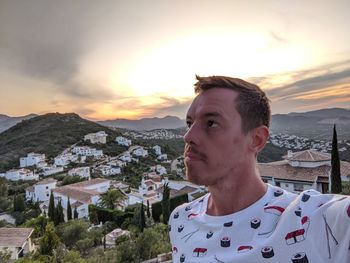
(138, 58)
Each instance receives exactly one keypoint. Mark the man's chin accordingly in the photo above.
(195, 178)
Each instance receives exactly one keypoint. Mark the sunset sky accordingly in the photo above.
(138, 58)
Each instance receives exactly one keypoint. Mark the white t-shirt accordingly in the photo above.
(280, 227)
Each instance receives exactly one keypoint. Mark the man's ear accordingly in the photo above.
(259, 137)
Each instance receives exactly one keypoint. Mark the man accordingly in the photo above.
(242, 219)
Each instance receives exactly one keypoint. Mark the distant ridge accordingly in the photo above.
(50, 134)
(7, 122)
(316, 124)
(146, 124)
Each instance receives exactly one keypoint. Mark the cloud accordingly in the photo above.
(48, 41)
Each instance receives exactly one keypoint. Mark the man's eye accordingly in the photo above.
(212, 124)
(188, 123)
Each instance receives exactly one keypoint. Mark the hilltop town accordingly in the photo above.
(88, 187)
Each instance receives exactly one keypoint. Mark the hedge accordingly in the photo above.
(174, 202)
(104, 214)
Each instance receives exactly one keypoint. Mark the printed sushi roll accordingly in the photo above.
(180, 228)
(225, 242)
(209, 234)
(243, 249)
(255, 223)
(300, 258)
(228, 224)
(278, 193)
(182, 258)
(298, 212)
(169, 228)
(188, 208)
(176, 215)
(267, 252)
(305, 197)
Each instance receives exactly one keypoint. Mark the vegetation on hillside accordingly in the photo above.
(49, 134)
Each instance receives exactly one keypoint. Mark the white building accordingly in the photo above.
(21, 174)
(41, 191)
(157, 150)
(301, 171)
(159, 169)
(81, 195)
(98, 137)
(83, 172)
(33, 159)
(125, 157)
(17, 241)
(123, 141)
(67, 158)
(50, 170)
(178, 188)
(87, 151)
(140, 152)
(108, 170)
(162, 157)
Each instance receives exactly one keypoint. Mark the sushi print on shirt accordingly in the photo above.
(280, 227)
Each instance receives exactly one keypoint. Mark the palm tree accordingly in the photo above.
(112, 199)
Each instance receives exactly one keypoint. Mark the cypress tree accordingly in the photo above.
(76, 214)
(148, 210)
(15, 203)
(336, 186)
(142, 218)
(20, 203)
(51, 212)
(49, 241)
(59, 216)
(166, 203)
(69, 210)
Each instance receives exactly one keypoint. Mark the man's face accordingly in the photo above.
(216, 148)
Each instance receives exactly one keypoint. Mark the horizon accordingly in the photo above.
(159, 117)
(128, 60)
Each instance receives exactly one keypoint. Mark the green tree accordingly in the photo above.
(142, 218)
(112, 199)
(69, 210)
(3, 187)
(166, 203)
(18, 203)
(148, 210)
(73, 231)
(5, 255)
(39, 225)
(49, 241)
(51, 211)
(336, 185)
(153, 241)
(59, 216)
(76, 214)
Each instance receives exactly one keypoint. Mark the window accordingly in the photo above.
(298, 187)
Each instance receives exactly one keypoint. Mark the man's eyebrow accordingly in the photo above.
(212, 114)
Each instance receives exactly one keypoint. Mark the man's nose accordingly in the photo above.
(191, 136)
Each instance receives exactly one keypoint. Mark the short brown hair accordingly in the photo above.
(252, 104)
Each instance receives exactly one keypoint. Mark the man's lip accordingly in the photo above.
(193, 156)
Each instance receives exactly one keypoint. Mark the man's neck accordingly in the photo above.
(236, 194)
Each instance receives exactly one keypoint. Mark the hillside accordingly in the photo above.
(7, 122)
(50, 134)
(317, 125)
(146, 124)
